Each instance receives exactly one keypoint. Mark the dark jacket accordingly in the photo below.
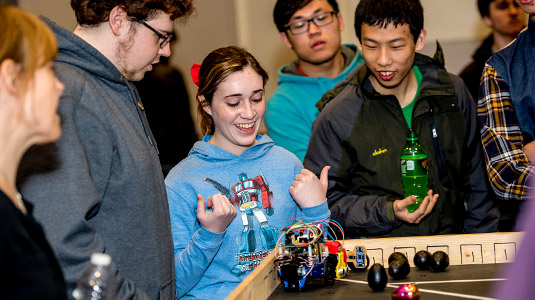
(360, 134)
(471, 74)
(28, 268)
(167, 107)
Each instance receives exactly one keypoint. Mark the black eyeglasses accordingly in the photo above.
(320, 20)
(166, 38)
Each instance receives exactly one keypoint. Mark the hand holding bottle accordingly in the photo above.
(222, 214)
(309, 191)
(427, 205)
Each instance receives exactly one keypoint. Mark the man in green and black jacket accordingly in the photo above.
(365, 120)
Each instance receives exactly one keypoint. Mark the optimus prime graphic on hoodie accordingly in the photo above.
(254, 200)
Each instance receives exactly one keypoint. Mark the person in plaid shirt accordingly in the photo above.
(505, 110)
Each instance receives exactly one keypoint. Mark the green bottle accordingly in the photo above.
(414, 171)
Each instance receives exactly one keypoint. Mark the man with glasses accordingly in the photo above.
(100, 187)
(312, 29)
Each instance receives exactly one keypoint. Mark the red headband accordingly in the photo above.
(195, 73)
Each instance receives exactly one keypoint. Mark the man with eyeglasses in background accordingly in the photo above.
(312, 29)
(100, 187)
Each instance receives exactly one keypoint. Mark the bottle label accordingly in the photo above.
(413, 167)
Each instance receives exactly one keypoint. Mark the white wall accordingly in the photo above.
(59, 11)
(457, 25)
(249, 23)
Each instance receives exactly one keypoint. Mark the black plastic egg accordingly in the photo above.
(377, 278)
(422, 259)
(399, 268)
(439, 261)
(396, 255)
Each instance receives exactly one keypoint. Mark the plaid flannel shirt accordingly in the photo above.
(508, 167)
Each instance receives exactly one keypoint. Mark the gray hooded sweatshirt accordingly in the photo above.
(100, 188)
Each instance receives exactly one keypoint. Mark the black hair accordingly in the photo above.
(383, 12)
(285, 9)
(483, 6)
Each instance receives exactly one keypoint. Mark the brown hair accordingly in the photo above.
(92, 12)
(26, 40)
(217, 66)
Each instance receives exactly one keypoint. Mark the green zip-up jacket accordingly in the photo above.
(360, 134)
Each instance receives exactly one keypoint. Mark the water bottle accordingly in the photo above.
(97, 282)
(414, 171)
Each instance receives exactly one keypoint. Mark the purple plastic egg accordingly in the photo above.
(406, 292)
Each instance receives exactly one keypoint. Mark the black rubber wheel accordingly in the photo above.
(329, 269)
(289, 274)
